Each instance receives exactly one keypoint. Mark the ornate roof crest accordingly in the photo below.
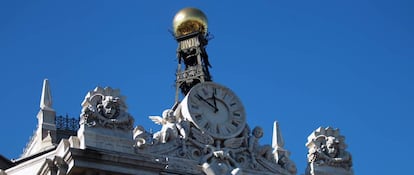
(105, 107)
(327, 153)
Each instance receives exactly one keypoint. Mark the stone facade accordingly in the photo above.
(106, 144)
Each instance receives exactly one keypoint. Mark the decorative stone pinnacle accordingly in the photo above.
(46, 99)
(277, 141)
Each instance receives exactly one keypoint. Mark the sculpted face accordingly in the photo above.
(331, 147)
(169, 115)
(109, 108)
(171, 118)
(258, 132)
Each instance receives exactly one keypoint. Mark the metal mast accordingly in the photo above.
(190, 31)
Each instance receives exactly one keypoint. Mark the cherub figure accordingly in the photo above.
(169, 129)
(256, 150)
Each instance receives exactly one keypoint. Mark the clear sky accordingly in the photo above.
(346, 64)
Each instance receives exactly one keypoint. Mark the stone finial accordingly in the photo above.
(327, 154)
(46, 99)
(280, 154)
(277, 141)
(45, 134)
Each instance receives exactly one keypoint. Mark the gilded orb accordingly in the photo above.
(189, 20)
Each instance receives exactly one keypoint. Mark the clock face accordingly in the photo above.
(215, 110)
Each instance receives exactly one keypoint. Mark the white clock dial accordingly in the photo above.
(215, 110)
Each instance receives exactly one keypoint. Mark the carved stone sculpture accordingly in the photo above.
(238, 155)
(327, 154)
(105, 122)
(257, 150)
(169, 130)
(141, 137)
(104, 107)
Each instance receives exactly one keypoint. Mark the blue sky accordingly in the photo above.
(345, 64)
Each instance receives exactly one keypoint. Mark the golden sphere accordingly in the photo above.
(189, 20)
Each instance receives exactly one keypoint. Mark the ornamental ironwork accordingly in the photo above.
(67, 123)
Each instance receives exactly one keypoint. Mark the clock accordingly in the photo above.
(215, 110)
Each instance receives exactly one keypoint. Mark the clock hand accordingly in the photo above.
(215, 103)
(204, 100)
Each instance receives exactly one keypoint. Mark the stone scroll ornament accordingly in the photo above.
(327, 149)
(105, 107)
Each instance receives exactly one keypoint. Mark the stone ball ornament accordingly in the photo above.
(189, 20)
